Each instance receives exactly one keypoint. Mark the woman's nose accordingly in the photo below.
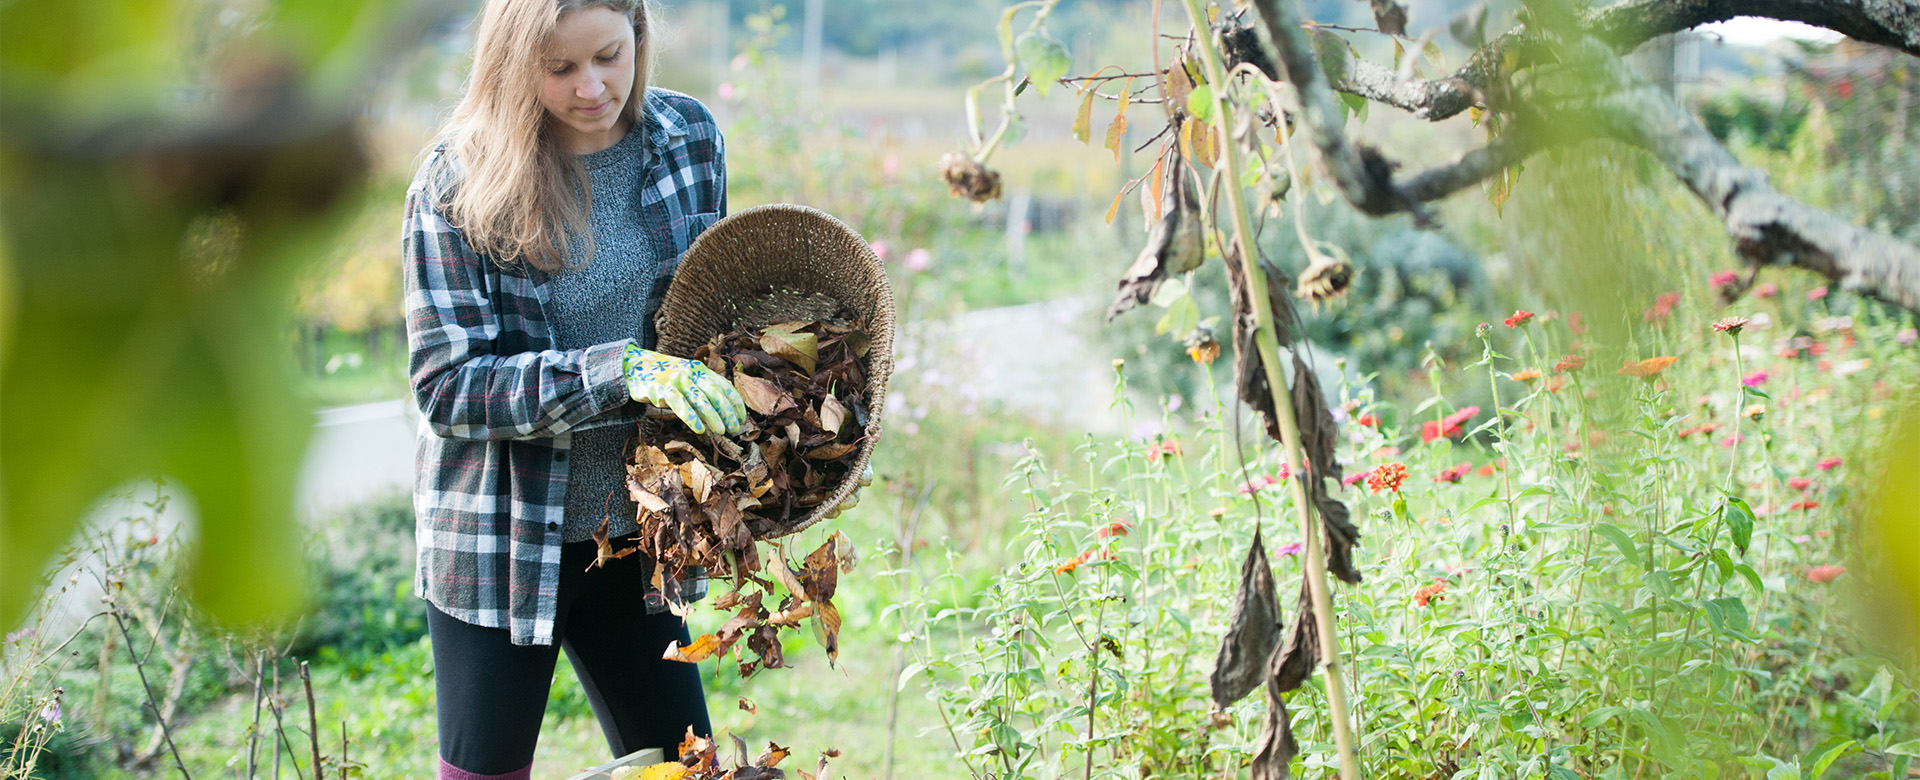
(590, 85)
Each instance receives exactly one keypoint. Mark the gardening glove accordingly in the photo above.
(702, 399)
(853, 499)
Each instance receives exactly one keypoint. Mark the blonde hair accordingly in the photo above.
(520, 196)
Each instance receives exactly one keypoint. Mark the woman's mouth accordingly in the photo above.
(597, 109)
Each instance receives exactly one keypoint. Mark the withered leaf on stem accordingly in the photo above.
(822, 574)
(1175, 245)
(1253, 630)
(1274, 747)
(1250, 376)
(1294, 662)
(1319, 436)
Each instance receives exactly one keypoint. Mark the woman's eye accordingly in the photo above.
(560, 71)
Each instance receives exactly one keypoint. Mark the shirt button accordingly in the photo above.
(553, 526)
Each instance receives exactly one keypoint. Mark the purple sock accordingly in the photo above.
(451, 772)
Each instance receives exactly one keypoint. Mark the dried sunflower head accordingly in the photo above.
(968, 178)
(1325, 279)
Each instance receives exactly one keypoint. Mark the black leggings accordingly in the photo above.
(492, 693)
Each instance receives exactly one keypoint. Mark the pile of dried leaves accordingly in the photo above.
(706, 500)
(700, 760)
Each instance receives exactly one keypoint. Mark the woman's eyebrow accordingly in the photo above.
(611, 44)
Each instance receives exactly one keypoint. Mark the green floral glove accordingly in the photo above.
(703, 400)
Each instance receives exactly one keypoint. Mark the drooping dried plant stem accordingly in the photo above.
(1269, 347)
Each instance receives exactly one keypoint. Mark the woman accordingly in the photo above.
(541, 232)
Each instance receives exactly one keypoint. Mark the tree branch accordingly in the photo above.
(1625, 26)
(1766, 226)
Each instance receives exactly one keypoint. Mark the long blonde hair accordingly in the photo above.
(519, 196)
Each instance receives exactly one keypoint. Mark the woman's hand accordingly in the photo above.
(700, 398)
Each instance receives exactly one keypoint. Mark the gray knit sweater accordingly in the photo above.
(597, 300)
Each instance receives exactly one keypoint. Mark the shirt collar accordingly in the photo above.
(663, 121)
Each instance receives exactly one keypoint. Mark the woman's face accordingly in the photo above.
(588, 75)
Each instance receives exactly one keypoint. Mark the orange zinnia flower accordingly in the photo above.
(1387, 476)
(1435, 591)
(1647, 368)
(1527, 375)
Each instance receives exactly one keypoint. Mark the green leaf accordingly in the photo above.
(907, 674)
(1910, 747)
(1740, 522)
(1734, 610)
(1752, 577)
(1818, 765)
(1200, 103)
(1722, 563)
(1045, 56)
(1181, 317)
(1756, 392)
(1488, 501)
(1621, 540)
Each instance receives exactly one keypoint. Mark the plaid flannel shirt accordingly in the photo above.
(498, 402)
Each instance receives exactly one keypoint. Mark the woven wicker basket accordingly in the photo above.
(782, 262)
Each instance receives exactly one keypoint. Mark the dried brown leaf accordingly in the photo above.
(822, 573)
(1253, 630)
(832, 415)
(761, 395)
(800, 349)
(826, 628)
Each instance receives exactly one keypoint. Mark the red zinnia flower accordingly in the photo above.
(1570, 364)
(1804, 505)
(1387, 476)
(1520, 317)
(1113, 529)
(1800, 483)
(1369, 420)
(1455, 473)
(1827, 573)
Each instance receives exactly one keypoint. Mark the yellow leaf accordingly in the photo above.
(1114, 209)
(1154, 180)
(1083, 121)
(700, 650)
(1116, 134)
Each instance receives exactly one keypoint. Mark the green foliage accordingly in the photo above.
(1493, 636)
(149, 271)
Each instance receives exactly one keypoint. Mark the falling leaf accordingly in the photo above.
(645, 498)
(826, 628)
(800, 349)
(748, 706)
(700, 650)
(791, 616)
(843, 549)
(1253, 630)
(822, 572)
(1390, 17)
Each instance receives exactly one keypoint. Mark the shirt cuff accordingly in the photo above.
(605, 375)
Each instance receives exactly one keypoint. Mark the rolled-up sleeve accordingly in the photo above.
(463, 385)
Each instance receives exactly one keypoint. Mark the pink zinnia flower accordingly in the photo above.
(1754, 379)
(1817, 293)
(1907, 336)
(919, 259)
(1290, 548)
(1827, 573)
(1800, 483)
(879, 249)
(1766, 290)
(1829, 463)
(1723, 278)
